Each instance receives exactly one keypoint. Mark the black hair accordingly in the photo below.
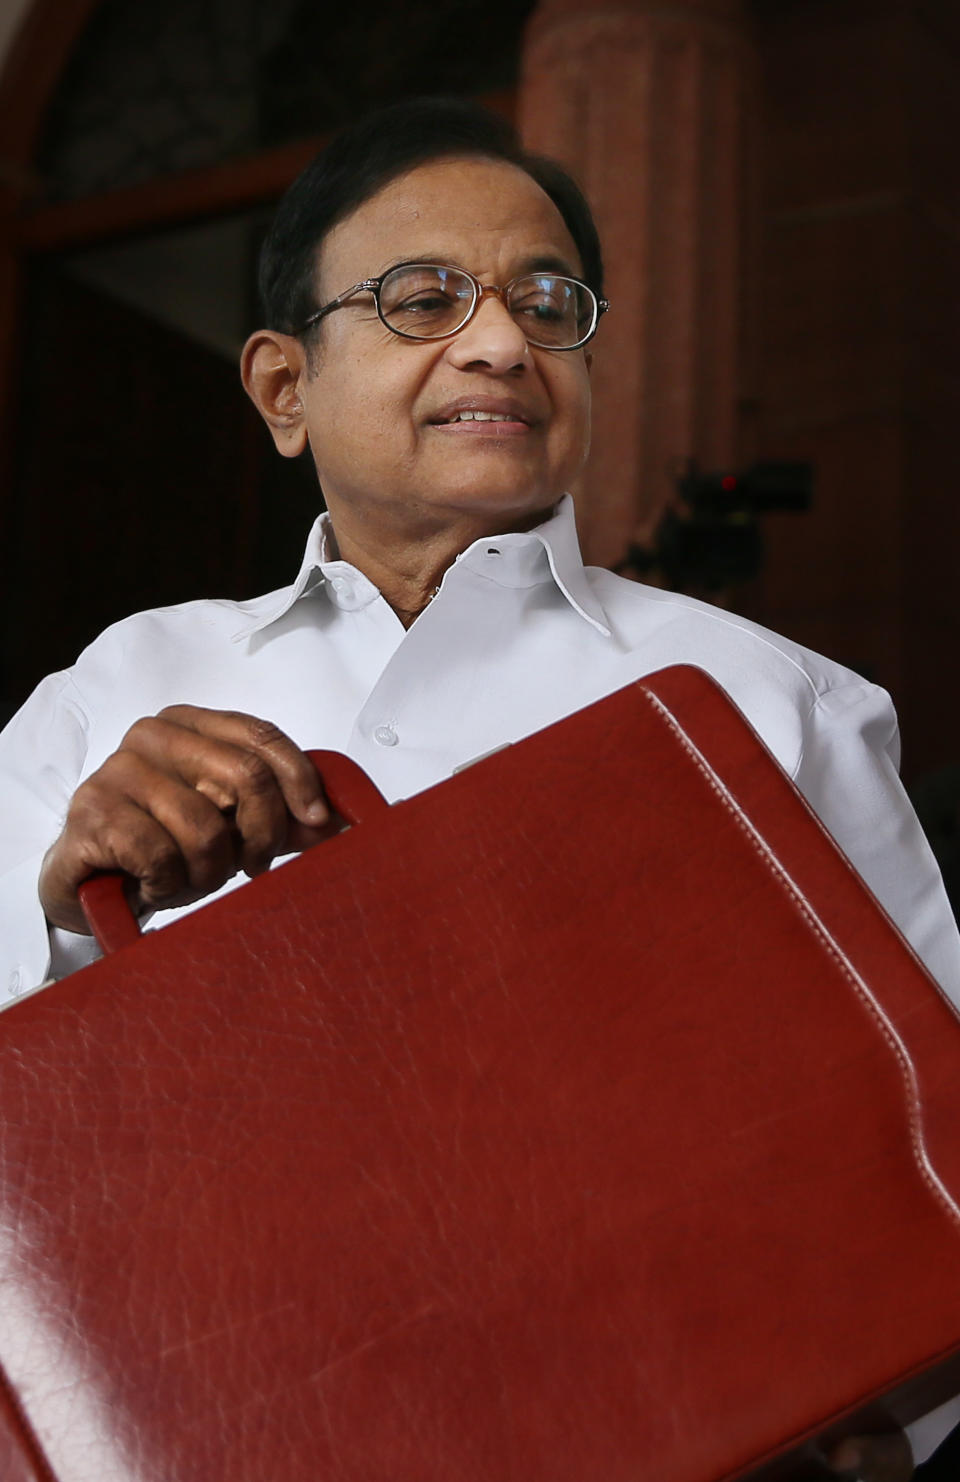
(366, 156)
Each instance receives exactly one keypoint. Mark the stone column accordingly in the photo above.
(646, 103)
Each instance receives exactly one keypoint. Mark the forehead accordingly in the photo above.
(484, 215)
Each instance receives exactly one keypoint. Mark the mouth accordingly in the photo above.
(479, 417)
(484, 416)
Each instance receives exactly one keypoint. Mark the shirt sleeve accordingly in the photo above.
(927, 1433)
(848, 774)
(42, 753)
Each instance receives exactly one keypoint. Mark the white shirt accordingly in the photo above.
(520, 635)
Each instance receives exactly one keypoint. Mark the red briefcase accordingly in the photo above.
(581, 1119)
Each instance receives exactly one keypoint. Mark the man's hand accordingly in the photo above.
(882, 1458)
(190, 797)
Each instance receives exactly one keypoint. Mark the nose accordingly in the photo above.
(491, 341)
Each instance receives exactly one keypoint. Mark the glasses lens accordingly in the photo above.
(425, 302)
(556, 313)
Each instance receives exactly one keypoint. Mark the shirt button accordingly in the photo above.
(385, 736)
(16, 979)
(339, 585)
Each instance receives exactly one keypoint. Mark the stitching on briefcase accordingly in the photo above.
(908, 1073)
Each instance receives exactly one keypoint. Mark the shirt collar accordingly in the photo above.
(558, 535)
(556, 538)
(262, 611)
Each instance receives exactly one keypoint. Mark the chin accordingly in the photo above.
(500, 495)
(503, 515)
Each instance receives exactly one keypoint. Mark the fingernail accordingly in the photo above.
(317, 813)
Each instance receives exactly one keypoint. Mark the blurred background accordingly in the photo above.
(777, 186)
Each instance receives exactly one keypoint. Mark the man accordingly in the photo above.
(431, 294)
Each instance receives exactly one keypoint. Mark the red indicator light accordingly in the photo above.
(728, 483)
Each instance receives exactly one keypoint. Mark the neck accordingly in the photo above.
(408, 565)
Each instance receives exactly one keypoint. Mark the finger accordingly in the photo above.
(127, 816)
(300, 837)
(878, 1458)
(181, 806)
(138, 845)
(231, 777)
(296, 775)
(117, 813)
(204, 837)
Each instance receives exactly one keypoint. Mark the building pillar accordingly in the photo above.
(646, 103)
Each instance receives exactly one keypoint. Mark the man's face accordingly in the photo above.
(378, 408)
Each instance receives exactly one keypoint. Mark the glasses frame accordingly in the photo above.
(480, 292)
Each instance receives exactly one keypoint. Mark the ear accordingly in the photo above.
(271, 367)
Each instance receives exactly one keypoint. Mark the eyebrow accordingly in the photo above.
(545, 263)
(550, 264)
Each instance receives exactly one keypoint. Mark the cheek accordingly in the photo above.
(571, 400)
(363, 448)
(358, 412)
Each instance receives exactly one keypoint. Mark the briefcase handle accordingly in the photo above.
(103, 898)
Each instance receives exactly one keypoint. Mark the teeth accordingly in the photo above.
(481, 417)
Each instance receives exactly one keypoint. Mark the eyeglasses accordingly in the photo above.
(421, 301)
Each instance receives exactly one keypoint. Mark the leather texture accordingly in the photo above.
(580, 1119)
(20, 1457)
